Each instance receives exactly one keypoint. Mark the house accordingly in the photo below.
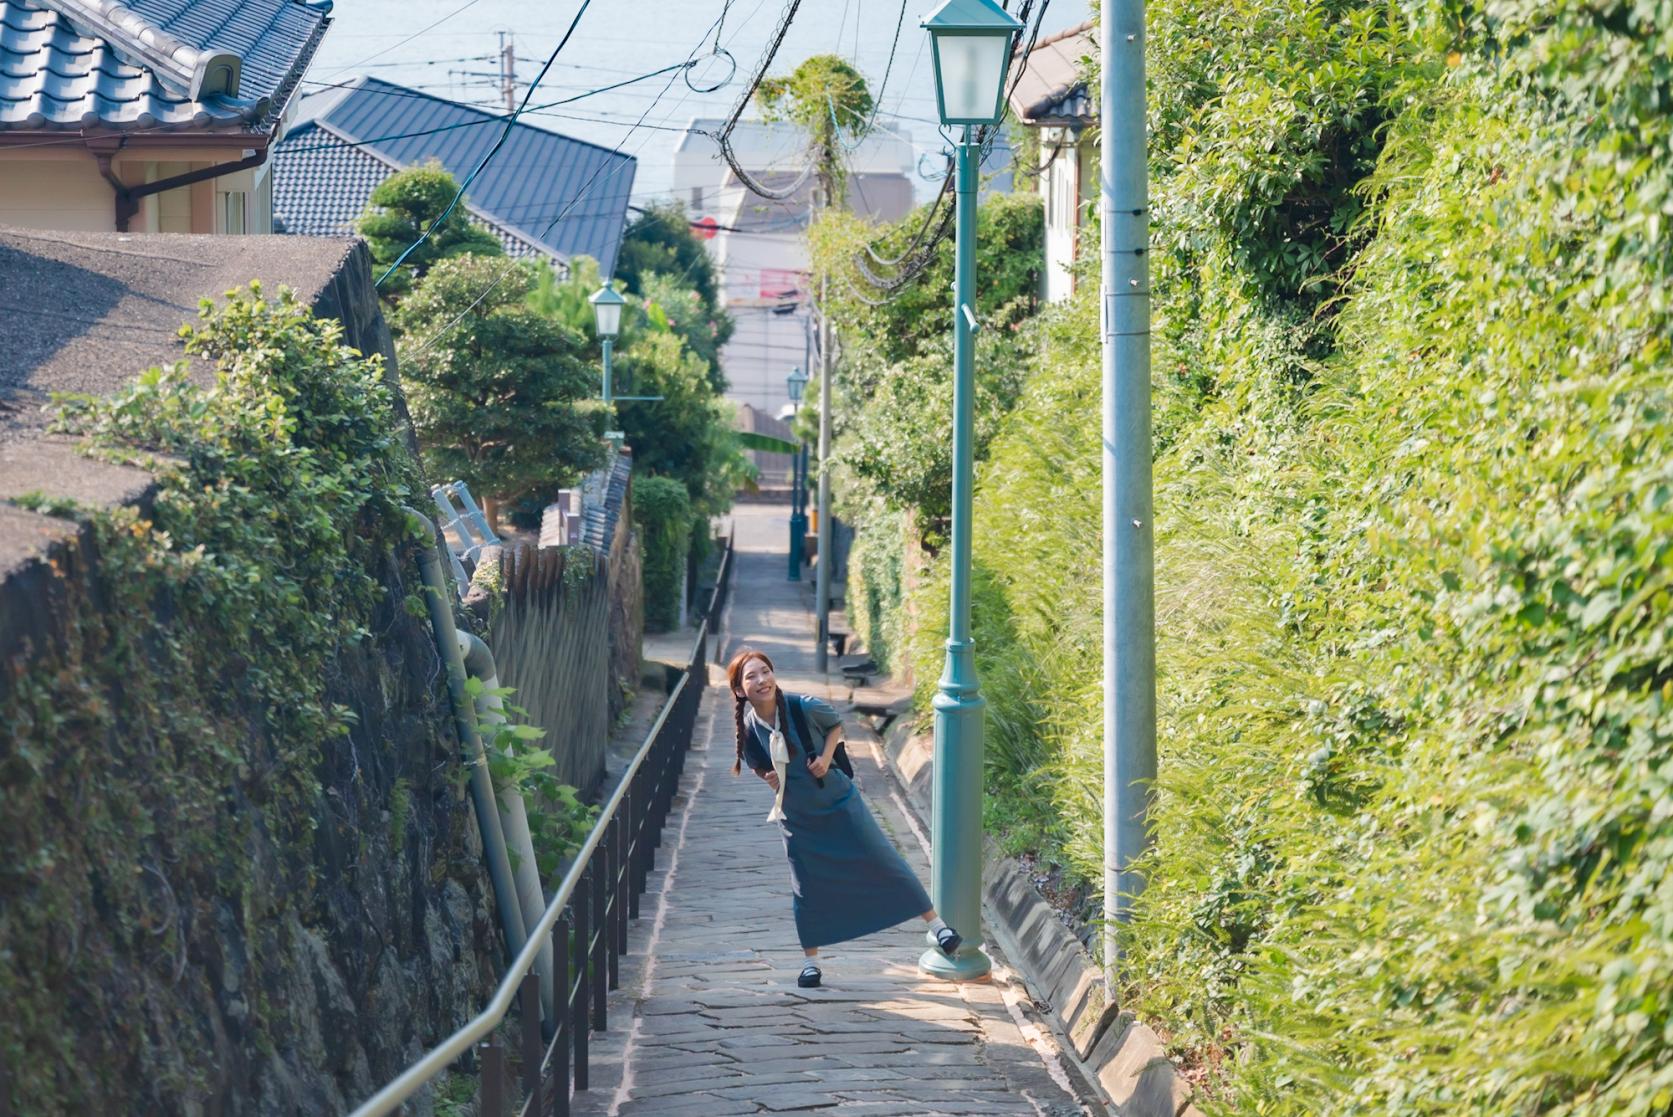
(759, 245)
(544, 195)
(1049, 95)
(149, 115)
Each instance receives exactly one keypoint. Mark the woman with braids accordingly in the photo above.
(846, 878)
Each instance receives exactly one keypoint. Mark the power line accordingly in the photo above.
(410, 38)
(490, 118)
(499, 143)
(585, 189)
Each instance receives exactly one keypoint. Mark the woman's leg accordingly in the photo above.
(928, 916)
(811, 951)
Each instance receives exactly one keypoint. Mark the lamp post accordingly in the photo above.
(796, 382)
(971, 41)
(607, 313)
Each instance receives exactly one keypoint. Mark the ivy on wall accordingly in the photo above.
(161, 773)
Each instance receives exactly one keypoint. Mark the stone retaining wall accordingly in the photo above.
(1121, 1054)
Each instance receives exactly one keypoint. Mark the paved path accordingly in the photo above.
(709, 1021)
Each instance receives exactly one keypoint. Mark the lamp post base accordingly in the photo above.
(969, 964)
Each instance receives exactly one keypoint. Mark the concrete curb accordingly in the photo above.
(1109, 1046)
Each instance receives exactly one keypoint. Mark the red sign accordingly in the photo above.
(706, 227)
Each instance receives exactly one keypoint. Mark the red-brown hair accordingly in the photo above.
(735, 679)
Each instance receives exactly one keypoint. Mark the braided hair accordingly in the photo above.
(735, 679)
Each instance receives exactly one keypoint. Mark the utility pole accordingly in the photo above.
(823, 580)
(508, 71)
(1129, 536)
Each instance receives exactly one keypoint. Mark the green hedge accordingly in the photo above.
(1415, 528)
(662, 509)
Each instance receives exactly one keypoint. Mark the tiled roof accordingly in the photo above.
(227, 65)
(603, 492)
(322, 184)
(543, 190)
(1051, 88)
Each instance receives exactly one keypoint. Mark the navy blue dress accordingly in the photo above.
(846, 877)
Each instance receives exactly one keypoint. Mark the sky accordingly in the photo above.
(451, 48)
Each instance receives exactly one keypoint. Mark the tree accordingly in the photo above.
(497, 390)
(401, 208)
(660, 242)
(829, 100)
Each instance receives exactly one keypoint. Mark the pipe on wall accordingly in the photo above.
(514, 816)
(446, 635)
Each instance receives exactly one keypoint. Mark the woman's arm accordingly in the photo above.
(827, 721)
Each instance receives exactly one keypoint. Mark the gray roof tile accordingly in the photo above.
(320, 189)
(55, 76)
(1050, 84)
(543, 192)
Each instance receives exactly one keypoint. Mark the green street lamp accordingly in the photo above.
(607, 313)
(796, 382)
(972, 42)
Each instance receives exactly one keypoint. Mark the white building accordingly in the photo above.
(1050, 95)
(760, 247)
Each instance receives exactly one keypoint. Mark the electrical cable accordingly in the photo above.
(489, 118)
(499, 143)
(421, 31)
(582, 193)
(724, 137)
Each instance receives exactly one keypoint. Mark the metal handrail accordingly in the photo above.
(414, 1077)
(389, 1099)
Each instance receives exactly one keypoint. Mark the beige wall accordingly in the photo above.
(60, 187)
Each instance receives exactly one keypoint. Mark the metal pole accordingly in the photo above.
(823, 580)
(614, 435)
(956, 825)
(798, 514)
(609, 393)
(1129, 605)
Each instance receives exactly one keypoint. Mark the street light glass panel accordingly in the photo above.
(972, 47)
(607, 310)
(796, 381)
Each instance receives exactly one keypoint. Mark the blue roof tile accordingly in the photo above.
(543, 192)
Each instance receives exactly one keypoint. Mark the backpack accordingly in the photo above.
(805, 732)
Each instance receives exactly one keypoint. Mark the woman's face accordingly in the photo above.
(757, 680)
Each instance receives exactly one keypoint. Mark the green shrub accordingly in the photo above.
(662, 509)
(164, 768)
(1414, 501)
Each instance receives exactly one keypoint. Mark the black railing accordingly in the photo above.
(587, 921)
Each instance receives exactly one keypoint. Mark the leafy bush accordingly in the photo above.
(163, 769)
(1414, 512)
(894, 412)
(498, 392)
(662, 509)
(402, 208)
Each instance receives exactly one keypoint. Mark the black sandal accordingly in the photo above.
(810, 976)
(948, 940)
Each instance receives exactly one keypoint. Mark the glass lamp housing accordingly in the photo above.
(607, 310)
(796, 381)
(971, 40)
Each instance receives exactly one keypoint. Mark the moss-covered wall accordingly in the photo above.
(238, 871)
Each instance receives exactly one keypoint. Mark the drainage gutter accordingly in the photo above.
(446, 635)
(514, 816)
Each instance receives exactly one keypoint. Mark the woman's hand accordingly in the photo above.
(819, 765)
(771, 776)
